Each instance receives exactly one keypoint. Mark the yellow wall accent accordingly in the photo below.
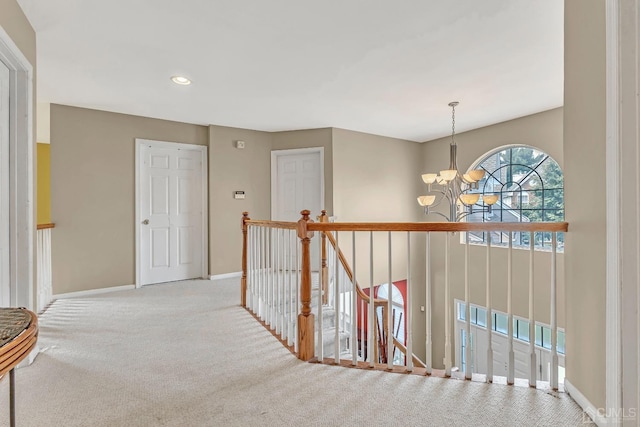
(44, 183)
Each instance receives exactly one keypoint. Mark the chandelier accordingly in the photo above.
(455, 188)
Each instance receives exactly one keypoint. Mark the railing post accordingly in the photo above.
(305, 318)
(325, 269)
(243, 281)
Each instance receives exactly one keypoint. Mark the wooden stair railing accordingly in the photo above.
(377, 302)
(305, 229)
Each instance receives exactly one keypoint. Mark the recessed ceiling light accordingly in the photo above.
(181, 80)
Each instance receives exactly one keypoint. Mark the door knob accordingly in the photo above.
(145, 222)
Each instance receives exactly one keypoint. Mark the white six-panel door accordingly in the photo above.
(171, 200)
(297, 183)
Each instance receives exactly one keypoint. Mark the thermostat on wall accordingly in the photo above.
(238, 194)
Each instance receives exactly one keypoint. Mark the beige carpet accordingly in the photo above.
(186, 354)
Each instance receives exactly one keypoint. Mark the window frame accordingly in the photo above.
(520, 240)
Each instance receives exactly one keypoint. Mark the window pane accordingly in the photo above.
(539, 335)
(546, 337)
(474, 315)
(523, 330)
(560, 342)
(482, 317)
(461, 311)
(501, 322)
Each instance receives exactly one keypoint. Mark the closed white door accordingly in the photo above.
(297, 183)
(171, 211)
(5, 276)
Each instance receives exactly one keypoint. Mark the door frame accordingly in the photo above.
(21, 203)
(204, 198)
(275, 154)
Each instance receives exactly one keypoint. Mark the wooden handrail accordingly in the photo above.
(439, 226)
(345, 265)
(45, 226)
(403, 350)
(274, 224)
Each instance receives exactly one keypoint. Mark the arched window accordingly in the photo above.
(530, 186)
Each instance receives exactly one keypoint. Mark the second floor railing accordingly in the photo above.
(327, 290)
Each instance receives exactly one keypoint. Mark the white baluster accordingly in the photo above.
(336, 304)
(272, 281)
(319, 320)
(354, 306)
(489, 314)
(533, 366)
(277, 276)
(389, 309)
(467, 309)
(249, 267)
(43, 265)
(254, 269)
(447, 309)
(260, 272)
(272, 317)
(371, 344)
(428, 341)
(408, 315)
(284, 279)
(510, 353)
(554, 313)
(265, 278)
(276, 256)
(292, 285)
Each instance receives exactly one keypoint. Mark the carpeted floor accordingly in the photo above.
(186, 354)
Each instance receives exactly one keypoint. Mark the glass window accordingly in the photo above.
(481, 315)
(522, 328)
(561, 342)
(530, 186)
(501, 323)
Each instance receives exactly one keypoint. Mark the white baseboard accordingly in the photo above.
(93, 292)
(226, 275)
(590, 411)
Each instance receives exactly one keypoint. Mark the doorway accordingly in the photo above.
(297, 183)
(17, 197)
(171, 212)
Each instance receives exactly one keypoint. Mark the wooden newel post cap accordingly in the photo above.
(302, 225)
(323, 216)
(245, 218)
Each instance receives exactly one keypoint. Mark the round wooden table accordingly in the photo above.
(18, 336)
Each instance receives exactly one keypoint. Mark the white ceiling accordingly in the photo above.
(383, 67)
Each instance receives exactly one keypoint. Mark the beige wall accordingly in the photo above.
(584, 150)
(232, 169)
(377, 178)
(15, 24)
(92, 193)
(249, 170)
(542, 130)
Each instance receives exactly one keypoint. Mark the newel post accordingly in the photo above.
(305, 318)
(325, 269)
(243, 281)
